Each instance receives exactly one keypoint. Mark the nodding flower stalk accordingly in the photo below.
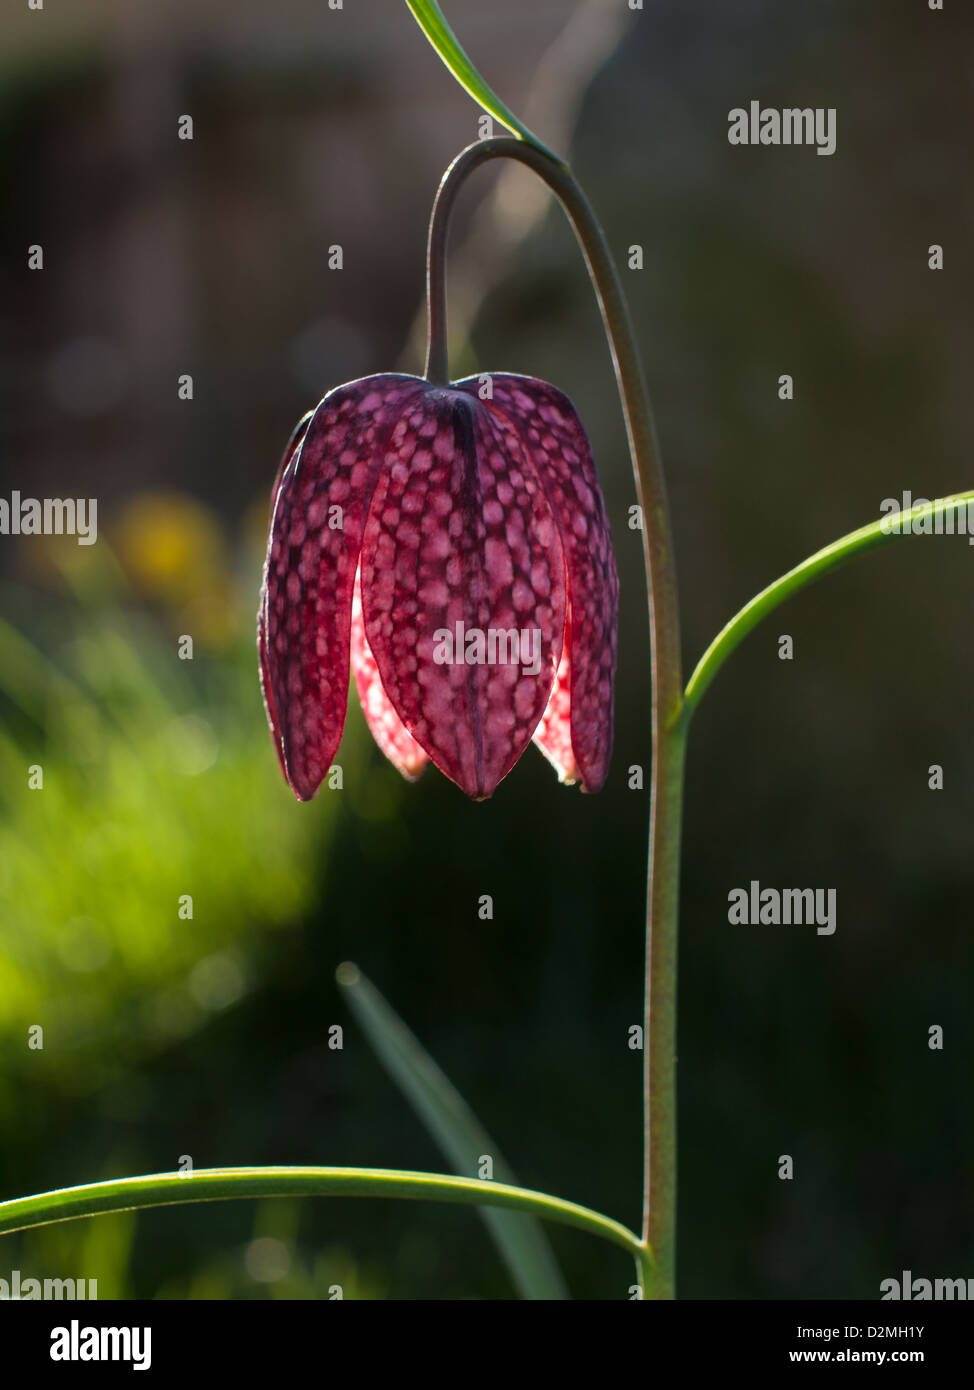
(668, 715)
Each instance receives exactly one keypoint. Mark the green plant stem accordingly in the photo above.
(856, 543)
(666, 792)
(215, 1184)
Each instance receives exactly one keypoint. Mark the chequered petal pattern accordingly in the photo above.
(460, 533)
(316, 536)
(293, 444)
(557, 446)
(451, 545)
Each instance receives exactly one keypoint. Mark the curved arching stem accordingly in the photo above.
(941, 514)
(224, 1184)
(668, 726)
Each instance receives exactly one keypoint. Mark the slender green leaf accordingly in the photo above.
(429, 17)
(856, 543)
(223, 1184)
(521, 1240)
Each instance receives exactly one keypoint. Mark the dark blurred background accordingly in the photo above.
(208, 1037)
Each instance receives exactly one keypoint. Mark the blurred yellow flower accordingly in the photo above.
(173, 550)
(170, 545)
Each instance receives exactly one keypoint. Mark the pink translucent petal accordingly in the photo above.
(389, 731)
(460, 531)
(555, 442)
(554, 735)
(313, 551)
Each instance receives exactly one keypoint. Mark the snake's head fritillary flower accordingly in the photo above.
(451, 546)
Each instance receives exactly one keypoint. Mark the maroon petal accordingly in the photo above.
(556, 444)
(293, 444)
(460, 532)
(313, 551)
(388, 730)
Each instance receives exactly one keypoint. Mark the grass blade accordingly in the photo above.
(520, 1239)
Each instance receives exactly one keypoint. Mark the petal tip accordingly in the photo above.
(302, 794)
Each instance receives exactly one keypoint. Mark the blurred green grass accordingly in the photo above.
(158, 782)
(158, 785)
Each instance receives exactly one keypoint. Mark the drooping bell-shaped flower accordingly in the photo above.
(454, 551)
